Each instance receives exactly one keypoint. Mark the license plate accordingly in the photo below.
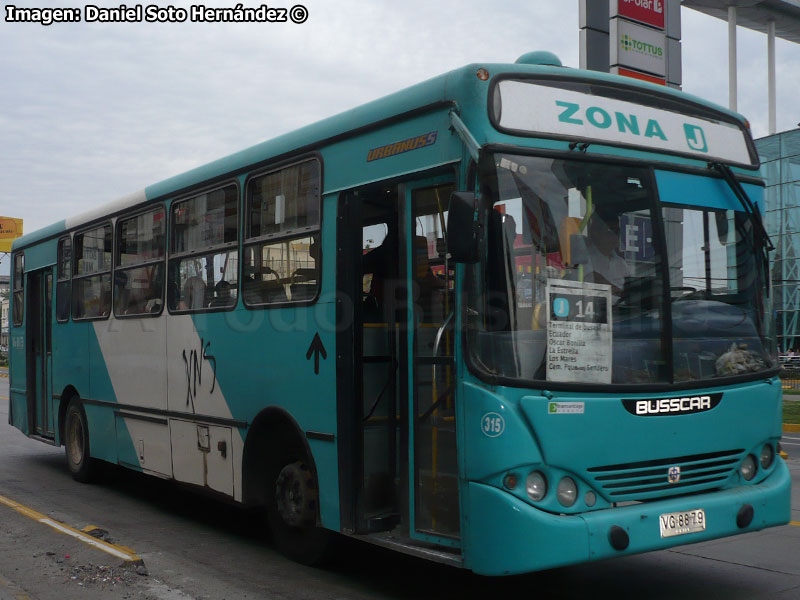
(681, 523)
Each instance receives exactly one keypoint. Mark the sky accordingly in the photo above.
(90, 112)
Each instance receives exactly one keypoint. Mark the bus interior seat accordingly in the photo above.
(222, 294)
(304, 284)
(569, 227)
(263, 291)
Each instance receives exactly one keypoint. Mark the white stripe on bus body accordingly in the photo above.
(145, 362)
(109, 208)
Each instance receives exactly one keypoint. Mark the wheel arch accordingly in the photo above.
(269, 425)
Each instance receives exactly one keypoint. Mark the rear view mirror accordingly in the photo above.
(464, 227)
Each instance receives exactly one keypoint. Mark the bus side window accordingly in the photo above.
(139, 270)
(63, 286)
(282, 245)
(91, 269)
(204, 264)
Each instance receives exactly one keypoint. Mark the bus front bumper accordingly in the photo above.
(507, 536)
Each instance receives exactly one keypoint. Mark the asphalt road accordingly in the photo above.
(196, 548)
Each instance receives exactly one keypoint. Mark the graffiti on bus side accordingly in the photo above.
(193, 362)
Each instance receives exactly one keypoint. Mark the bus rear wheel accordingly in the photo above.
(76, 443)
(292, 508)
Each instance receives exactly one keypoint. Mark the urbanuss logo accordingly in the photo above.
(687, 405)
(630, 44)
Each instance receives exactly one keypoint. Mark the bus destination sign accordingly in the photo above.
(537, 108)
(578, 332)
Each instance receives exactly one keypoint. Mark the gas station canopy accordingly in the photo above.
(756, 14)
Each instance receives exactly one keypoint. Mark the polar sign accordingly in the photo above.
(543, 109)
(650, 12)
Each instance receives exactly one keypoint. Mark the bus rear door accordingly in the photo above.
(39, 370)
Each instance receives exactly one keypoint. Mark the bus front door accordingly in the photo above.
(431, 317)
(39, 352)
(397, 445)
(371, 424)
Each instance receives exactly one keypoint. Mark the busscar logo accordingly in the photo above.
(686, 405)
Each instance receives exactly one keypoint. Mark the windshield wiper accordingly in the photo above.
(747, 204)
(752, 211)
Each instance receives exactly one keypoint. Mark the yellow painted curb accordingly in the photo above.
(119, 551)
(791, 428)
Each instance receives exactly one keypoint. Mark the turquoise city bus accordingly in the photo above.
(514, 317)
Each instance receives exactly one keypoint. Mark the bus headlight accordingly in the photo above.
(748, 468)
(567, 491)
(536, 486)
(767, 456)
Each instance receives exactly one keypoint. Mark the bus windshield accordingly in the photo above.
(595, 273)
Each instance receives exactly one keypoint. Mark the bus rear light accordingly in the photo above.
(748, 468)
(510, 481)
(767, 456)
(536, 486)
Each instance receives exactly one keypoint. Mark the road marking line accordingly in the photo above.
(795, 523)
(124, 553)
(3, 398)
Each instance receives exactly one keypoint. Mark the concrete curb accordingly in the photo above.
(791, 428)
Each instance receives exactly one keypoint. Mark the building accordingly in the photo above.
(780, 163)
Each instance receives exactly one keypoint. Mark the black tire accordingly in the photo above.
(292, 506)
(76, 443)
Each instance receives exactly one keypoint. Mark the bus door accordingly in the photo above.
(371, 420)
(397, 451)
(431, 340)
(39, 351)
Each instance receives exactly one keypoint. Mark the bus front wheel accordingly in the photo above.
(76, 443)
(292, 507)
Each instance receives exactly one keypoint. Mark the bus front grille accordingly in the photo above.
(650, 479)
